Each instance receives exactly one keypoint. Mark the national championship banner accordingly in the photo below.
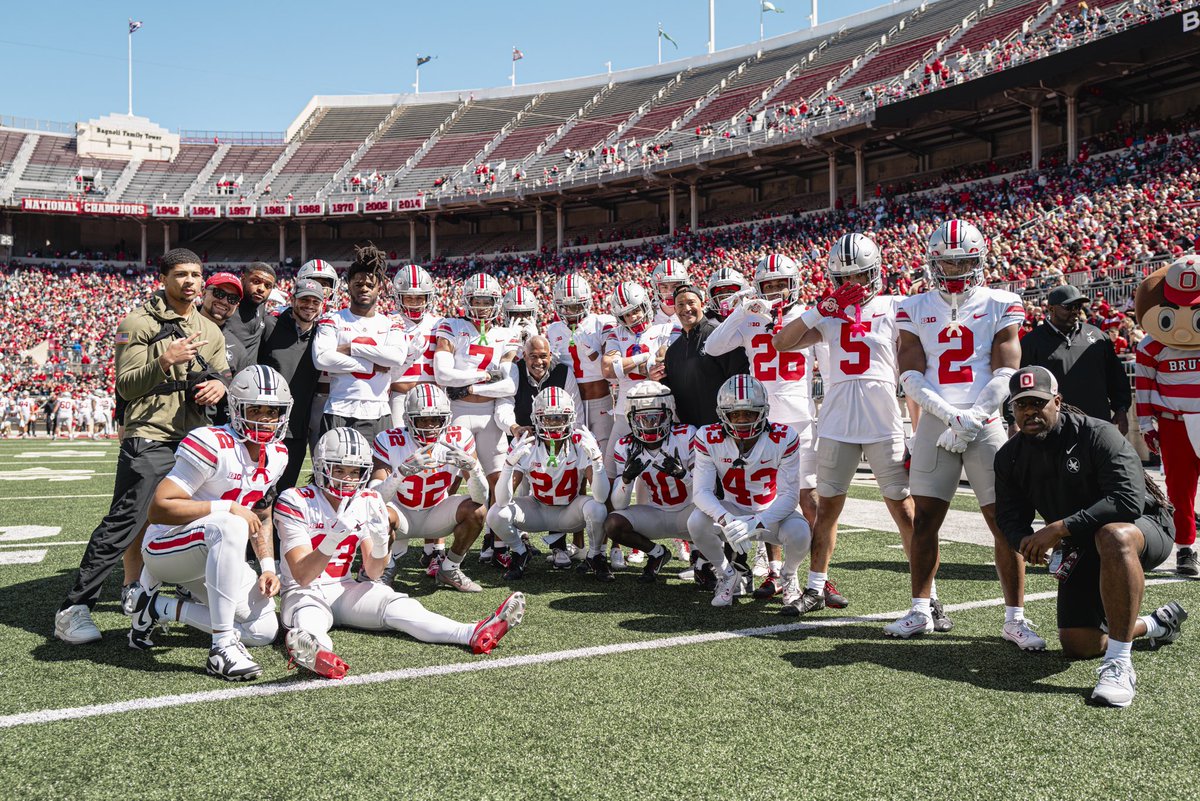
(212, 211)
(343, 207)
(169, 210)
(49, 206)
(410, 203)
(99, 207)
(242, 210)
(108, 208)
(377, 206)
(204, 211)
(276, 210)
(310, 209)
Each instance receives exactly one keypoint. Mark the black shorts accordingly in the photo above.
(1079, 602)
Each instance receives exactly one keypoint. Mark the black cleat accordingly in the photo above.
(809, 601)
(833, 598)
(601, 567)
(654, 565)
(517, 564)
(941, 621)
(1187, 562)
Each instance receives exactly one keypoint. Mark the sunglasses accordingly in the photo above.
(221, 294)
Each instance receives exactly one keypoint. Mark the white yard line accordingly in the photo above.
(265, 690)
(51, 497)
(40, 544)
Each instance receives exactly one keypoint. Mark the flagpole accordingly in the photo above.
(417, 82)
(660, 43)
(760, 20)
(130, 35)
(513, 75)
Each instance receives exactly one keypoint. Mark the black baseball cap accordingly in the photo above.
(1065, 295)
(1033, 382)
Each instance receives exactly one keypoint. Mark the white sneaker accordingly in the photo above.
(685, 550)
(762, 565)
(232, 662)
(636, 558)
(559, 558)
(911, 624)
(687, 575)
(74, 625)
(726, 588)
(616, 559)
(791, 589)
(1116, 684)
(1021, 632)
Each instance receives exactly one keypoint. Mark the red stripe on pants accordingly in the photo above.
(1181, 468)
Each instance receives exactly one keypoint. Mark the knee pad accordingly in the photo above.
(259, 631)
(594, 513)
(227, 526)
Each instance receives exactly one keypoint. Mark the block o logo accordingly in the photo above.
(1027, 380)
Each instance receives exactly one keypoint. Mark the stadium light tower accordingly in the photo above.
(812, 19)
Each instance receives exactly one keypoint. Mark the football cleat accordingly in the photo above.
(636, 557)
(1021, 632)
(517, 564)
(305, 650)
(600, 567)
(560, 559)
(74, 625)
(1171, 616)
(616, 558)
(501, 557)
(762, 565)
(129, 594)
(685, 550)
(142, 621)
(451, 575)
(654, 565)
(388, 576)
(431, 561)
(911, 624)
(1116, 684)
(833, 598)
(1187, 562)
(488, 633)
(941, 621)
(705, 577)
(772, 586)
(791, 589)
(809, 601)
(232, 662)
(727, 588)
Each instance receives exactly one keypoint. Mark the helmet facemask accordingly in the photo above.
(650, 425)
(353, 480)
(414, 304)
(747, 429)
(780, 291)
(258, 431)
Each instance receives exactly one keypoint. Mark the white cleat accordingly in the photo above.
(74, 625)
(762, 565)
(727, 587)
(232, 662)
(791, 589)
(1116, 684)
(910, 625)
(616, 558)
(1021, 632)
(636, 557)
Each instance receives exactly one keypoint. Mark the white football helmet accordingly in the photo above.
(553, 414)
(955, 256)
(426, 412)
(629, 300)
(572, 298)
(413, 290)
(667, 277)
(775, 268)
(722, 285)
(651, 412)
(856, 254)
(743, 393)
(259, 385)
(520, 306)
(321, 271)
(481, 297)
(347, 448)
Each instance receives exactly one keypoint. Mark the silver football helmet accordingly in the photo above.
(343, 447)
(481, 296)
(426, 412)
(572, 298)
(743, 393)
(955, 256)
(259, 385)
(853, 255)
(666, 278)
(413, 290)
(724, 285)
(629, 304)
(321, 271)
(520, 306)
(783, 275)
(553, 414)
(651, 412)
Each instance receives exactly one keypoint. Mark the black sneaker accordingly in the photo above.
(1187, 562)
(143, 619)
(941, 621)
(833, 598)
(426, 559)
(654, 564)
(501, 557)
(809, 601)
(517, 564)
(706, 578)
(1171, 616)
(601, 567)
(772, 585)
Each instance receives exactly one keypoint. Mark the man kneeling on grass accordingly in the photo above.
(1107, 525)
(320, 528)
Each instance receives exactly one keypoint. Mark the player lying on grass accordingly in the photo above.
(321, 526)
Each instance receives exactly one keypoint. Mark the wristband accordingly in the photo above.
(811, 317)
(267, 566)
(219, 507)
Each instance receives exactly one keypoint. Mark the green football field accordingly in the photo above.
(605, 691)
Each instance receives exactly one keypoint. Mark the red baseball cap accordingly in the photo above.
(226, 280)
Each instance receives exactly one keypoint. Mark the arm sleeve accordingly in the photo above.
(1014, 510)
(787, 491)
(994, 393)
(477, 486)
(447, 375)
(572, 389)
(600, 483)
(506, 412)
(138, 371)
(505, 387)
(394, 351)
(1145, 379)
(727, 335)
(1122, 482)
(326, 357)
(1119, 395)
(703, 481)
(919, 389)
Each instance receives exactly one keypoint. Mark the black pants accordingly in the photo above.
(368, 428)
(142, 463)
(297, 450)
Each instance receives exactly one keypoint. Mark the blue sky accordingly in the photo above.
(251, 66)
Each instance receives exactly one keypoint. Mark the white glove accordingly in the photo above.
(736, 531)
(377, 530)
(591, 449)
(497, 371)
(389, 486)
(952, 442)
(758, 306)
(519, 450)
(417, 462)
(330, 542)
(458, 458)
(965, 426)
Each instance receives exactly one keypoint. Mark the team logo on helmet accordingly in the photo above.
(345, 448)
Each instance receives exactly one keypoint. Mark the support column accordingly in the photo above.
(412, 239)
(539, 227)
(832, 180)
(166, 237)
(694, 206)
(1035, 137)
(145, 242)
(303, 242)
(433, 236)
(860, 176)
(282, 243)
(671, 211)
(1072, 129)
(558, 226)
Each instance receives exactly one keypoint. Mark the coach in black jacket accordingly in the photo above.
(536, 370)
(693, 376)
(1087, 483)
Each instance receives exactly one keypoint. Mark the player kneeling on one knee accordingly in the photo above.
(321, 526)
(217, 498)
(557, 460)
(1107, 524)
(657, 456)
(757, 466)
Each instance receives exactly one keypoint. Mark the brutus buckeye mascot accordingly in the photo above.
(1167, 382)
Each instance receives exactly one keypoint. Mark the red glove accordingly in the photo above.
(1151, 438)
(834, 304)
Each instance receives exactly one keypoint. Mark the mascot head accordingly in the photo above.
(1167, 304)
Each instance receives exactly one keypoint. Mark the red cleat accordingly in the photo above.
(488, 633)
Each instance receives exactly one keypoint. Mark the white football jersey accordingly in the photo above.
(767, 476)
(361, 393)
(25, 407)
(627, 343)
(662, 318)
(656, 488)
(787, 376)
(959, 362)
(422, 344)
(557, 481)
(66, 406)
(428, 488)
(473, 350)
(103, 406)
(211, 464)
(303, 516)
(860, 375)
(578, 348)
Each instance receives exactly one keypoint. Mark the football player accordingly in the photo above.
(521, 313)
(26, 412)
(6, 408)
(556, 460)
(726, 288)
(787, 378)
(64, 415)
(860, 416)
(668, 276)
(321, 527)
(217, 498)
(86, 419)
(428, 457)
(657, 456)
(755, 465)
(413, 293)
(958, 348)
(324, 274)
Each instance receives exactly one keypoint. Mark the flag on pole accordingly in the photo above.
(666, 36)
(768, 6)
(517, 54)
(423, 60)
(134, 25)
